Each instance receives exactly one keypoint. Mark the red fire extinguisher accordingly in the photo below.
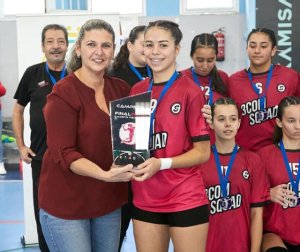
(220, 36)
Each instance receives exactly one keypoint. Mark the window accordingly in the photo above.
(118, 6)
(209, 7)
(67, 5)
(97, 6)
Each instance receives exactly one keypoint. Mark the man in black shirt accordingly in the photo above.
(35, 85)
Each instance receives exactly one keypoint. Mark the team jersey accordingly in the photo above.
(229, 230)
(204, 80)
(205, 87)
(283, 221)
(178, 123)
(256, 131)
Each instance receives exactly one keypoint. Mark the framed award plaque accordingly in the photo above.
(130, 127)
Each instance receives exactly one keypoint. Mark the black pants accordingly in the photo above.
(36, 166)
(126, 215)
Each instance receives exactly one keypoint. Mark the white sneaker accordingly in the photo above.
(2, 169)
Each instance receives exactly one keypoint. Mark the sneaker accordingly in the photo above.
(2, 169)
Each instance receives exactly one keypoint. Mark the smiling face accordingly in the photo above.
(290, 123)
(136, 51)
(160, 52)
(260, 52)
(55, 47)
(225, 122)
(96, 50)
(204, 59)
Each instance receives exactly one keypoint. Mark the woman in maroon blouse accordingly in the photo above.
(79, 206)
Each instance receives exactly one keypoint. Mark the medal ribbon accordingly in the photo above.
(294, 182)
(197, 81)
(137, 73)
(62, 75)
(224, 178)
(256, 90)
(162, 94)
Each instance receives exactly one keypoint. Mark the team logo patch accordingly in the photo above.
(246, 174)
(176, 108)
(281, 88)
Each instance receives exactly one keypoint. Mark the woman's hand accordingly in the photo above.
(147, 169)
(282, 195)
(119, 173)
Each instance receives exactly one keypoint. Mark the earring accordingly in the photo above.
(78, 56)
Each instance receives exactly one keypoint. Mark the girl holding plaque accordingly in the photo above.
(168, 192)
(236, 186)
(282, 216)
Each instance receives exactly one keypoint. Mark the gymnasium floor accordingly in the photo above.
(12, 215)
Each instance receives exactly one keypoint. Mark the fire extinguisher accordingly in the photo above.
(220, 36)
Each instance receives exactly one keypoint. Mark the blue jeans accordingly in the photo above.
(98, 234)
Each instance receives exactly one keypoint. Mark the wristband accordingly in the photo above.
(165, 163)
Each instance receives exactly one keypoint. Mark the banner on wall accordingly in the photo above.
(282, 16)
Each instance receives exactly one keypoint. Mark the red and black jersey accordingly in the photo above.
(229, 230)
(256, 132)
(205, 87)
(178, 123)
(283, 221)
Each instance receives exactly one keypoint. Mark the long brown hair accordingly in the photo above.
(284, 103)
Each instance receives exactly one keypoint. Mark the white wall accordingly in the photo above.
(20, 44)
(8, 63)
(235, 45)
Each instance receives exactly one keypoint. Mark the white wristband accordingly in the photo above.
(165, 163)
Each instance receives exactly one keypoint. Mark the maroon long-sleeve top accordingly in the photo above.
(77, 128)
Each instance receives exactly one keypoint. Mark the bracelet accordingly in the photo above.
(165, 163)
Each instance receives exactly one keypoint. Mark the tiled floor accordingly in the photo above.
(12, 215)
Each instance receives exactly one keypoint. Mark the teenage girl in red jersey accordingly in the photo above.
(168, 192)
(259, 89)
(236, 186)
(204, 73)
(281, 159)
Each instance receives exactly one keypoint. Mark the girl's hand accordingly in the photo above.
(147, 169)
(282, 195)
(119, 173)
(206, 112)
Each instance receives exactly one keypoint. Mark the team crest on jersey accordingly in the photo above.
(281, 88)
(246, 174)
(176, 108)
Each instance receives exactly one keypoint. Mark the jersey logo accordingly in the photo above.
(176, 108)
(246, 174)
(281, 88)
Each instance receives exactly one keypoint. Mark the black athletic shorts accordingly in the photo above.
(186, 218)
(290, 247)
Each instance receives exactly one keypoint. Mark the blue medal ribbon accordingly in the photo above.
(224, 178)
(294, 182)
(162, 94)
(137, 73)
(62, 75)
(197, 81)
(256, 90)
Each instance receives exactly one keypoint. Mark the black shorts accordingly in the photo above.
(186, 218)
(290, 247)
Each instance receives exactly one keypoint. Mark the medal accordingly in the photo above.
(226, 201)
